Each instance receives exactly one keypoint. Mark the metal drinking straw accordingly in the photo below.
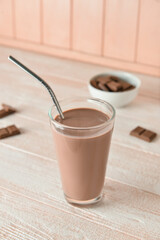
(52, 94)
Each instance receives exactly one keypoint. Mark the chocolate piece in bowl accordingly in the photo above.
(143, 134)
(114, 78)
(131, 88)
(103, 87)
(114, 86)
(103, 79)
(125, 85)
(119, 88)
(111, 84)
(94, 84)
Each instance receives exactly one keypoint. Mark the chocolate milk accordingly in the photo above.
(82, 154)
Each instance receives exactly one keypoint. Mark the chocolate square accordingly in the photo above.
(114, 78)
(3, 133)
(137, 131)
(114, 86)
(148, 135)
(103, 79)
(125, 85)
(143, 134)
(8, 108)
(9, 131)
(103, 87)
(94, 84)
(13, 130)
(3, 113)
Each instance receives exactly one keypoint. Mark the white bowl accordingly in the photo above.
(117, 99)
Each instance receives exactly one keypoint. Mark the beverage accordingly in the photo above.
(82, 147)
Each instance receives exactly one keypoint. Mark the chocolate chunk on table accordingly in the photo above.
(3, 113)
(13, 130)
(137, 131)
(4, 133)
(143, 134)
(9, 131)
(148, 135)
(8, 108)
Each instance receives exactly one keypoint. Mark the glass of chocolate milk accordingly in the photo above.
(82, 141)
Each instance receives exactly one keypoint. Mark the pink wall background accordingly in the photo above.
(122, 34)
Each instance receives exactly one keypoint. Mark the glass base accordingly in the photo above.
(81, 202)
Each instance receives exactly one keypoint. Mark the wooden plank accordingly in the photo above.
(24, 218)
(56, 23)
(146, 89)
(87, 26)
(134, 167)
(27, 20)
(120, 29)
(124, 209)
(83, 57)
(149, 33)
(6, 18)
(31, 131)
(143, 111)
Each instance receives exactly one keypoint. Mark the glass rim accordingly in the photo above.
(62, 126)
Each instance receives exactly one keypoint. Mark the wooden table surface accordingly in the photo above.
(32, 205)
